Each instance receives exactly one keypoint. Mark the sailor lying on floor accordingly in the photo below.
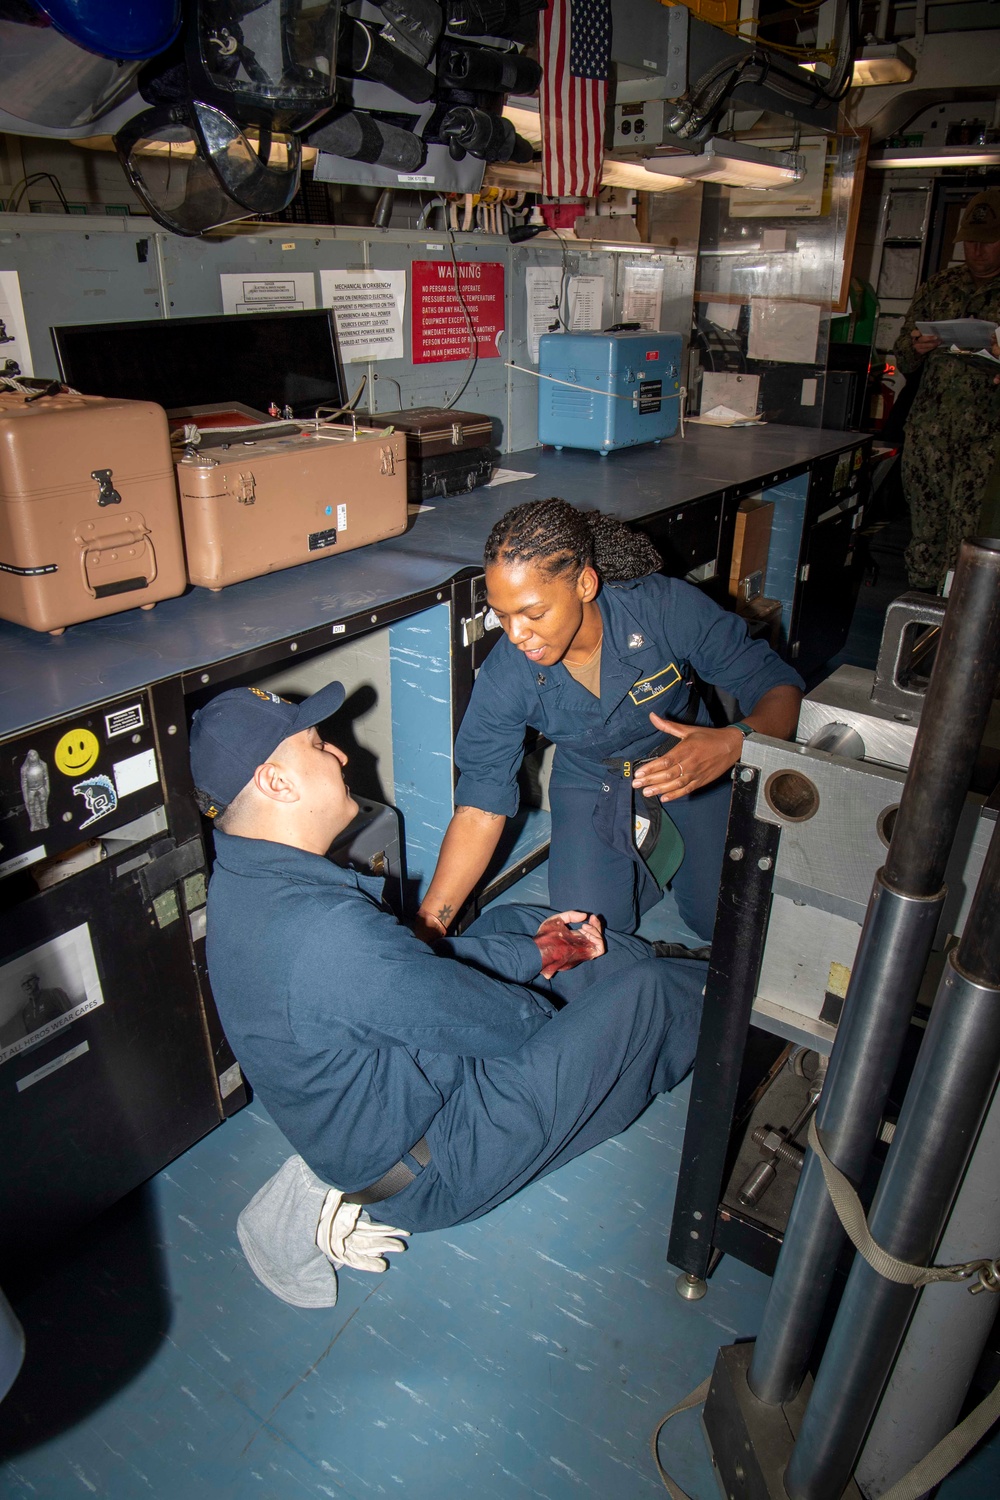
(428, 1084)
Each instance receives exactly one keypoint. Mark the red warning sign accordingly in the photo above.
(440, 327)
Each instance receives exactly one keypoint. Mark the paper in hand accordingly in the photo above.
(963, 333)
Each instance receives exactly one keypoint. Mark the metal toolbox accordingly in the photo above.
(608, 390)
(89, 524)
(256, 507)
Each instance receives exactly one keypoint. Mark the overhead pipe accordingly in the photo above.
(903, 913)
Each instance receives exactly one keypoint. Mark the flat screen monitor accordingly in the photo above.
(290, 358)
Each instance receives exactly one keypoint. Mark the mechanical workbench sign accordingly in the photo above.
(368, 308)
(440, 327)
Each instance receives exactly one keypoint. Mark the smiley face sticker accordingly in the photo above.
(76, 752)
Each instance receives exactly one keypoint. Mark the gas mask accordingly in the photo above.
(219, 142)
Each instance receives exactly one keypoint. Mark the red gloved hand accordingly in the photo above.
(562, 948)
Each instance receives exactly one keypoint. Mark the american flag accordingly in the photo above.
(574, 49)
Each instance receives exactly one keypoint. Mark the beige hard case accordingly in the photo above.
(257, 507)
(89, 522)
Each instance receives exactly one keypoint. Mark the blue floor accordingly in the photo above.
(529, 1354)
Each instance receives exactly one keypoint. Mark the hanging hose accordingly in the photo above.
(707, 93)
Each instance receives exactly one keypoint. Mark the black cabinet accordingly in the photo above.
(105, 1075)
(831, 558)
(687, 538)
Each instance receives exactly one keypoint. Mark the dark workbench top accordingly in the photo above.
(44, 677)
(633, 484)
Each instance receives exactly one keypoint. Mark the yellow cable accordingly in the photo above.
(809, 54)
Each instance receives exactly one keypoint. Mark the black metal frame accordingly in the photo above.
(208, 680)
(831, 561)
(732, 1055)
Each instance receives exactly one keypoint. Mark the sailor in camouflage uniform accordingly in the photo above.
(953, 426)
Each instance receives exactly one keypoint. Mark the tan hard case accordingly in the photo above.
(89, 521)
(256, 507)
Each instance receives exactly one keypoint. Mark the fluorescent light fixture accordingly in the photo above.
(633, 174)
(734, 162)
(929, 157)
(881, 63)
(180, 151)
(521, 177)
(615, 173)
(527, 122)
(528, 179)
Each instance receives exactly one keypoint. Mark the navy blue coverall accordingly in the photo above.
(658, 632)
(359, 1039)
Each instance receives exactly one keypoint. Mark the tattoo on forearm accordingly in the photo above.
(444, 914)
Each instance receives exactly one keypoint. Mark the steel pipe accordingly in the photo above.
(889, 965)
(947, 1334)
(899, 928)
(958, 700)
(956, 1073)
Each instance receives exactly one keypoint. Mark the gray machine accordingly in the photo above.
(834, 795)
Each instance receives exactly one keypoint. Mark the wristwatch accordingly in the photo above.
(743, 727)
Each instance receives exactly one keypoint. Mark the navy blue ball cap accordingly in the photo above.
(240, 729)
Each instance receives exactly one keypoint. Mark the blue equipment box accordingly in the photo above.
(608, 390)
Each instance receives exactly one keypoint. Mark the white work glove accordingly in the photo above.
(348, 1237)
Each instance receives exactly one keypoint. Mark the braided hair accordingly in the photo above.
(559, 539)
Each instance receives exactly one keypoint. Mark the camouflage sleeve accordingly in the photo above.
(922, 307)
(925, 309)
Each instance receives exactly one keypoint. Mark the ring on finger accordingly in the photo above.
(680, 770)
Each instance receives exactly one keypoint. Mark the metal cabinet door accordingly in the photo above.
(106, 1076)
(829, 579)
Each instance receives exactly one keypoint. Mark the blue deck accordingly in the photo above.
(529, 1354)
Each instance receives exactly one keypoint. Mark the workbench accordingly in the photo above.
(47, 677)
